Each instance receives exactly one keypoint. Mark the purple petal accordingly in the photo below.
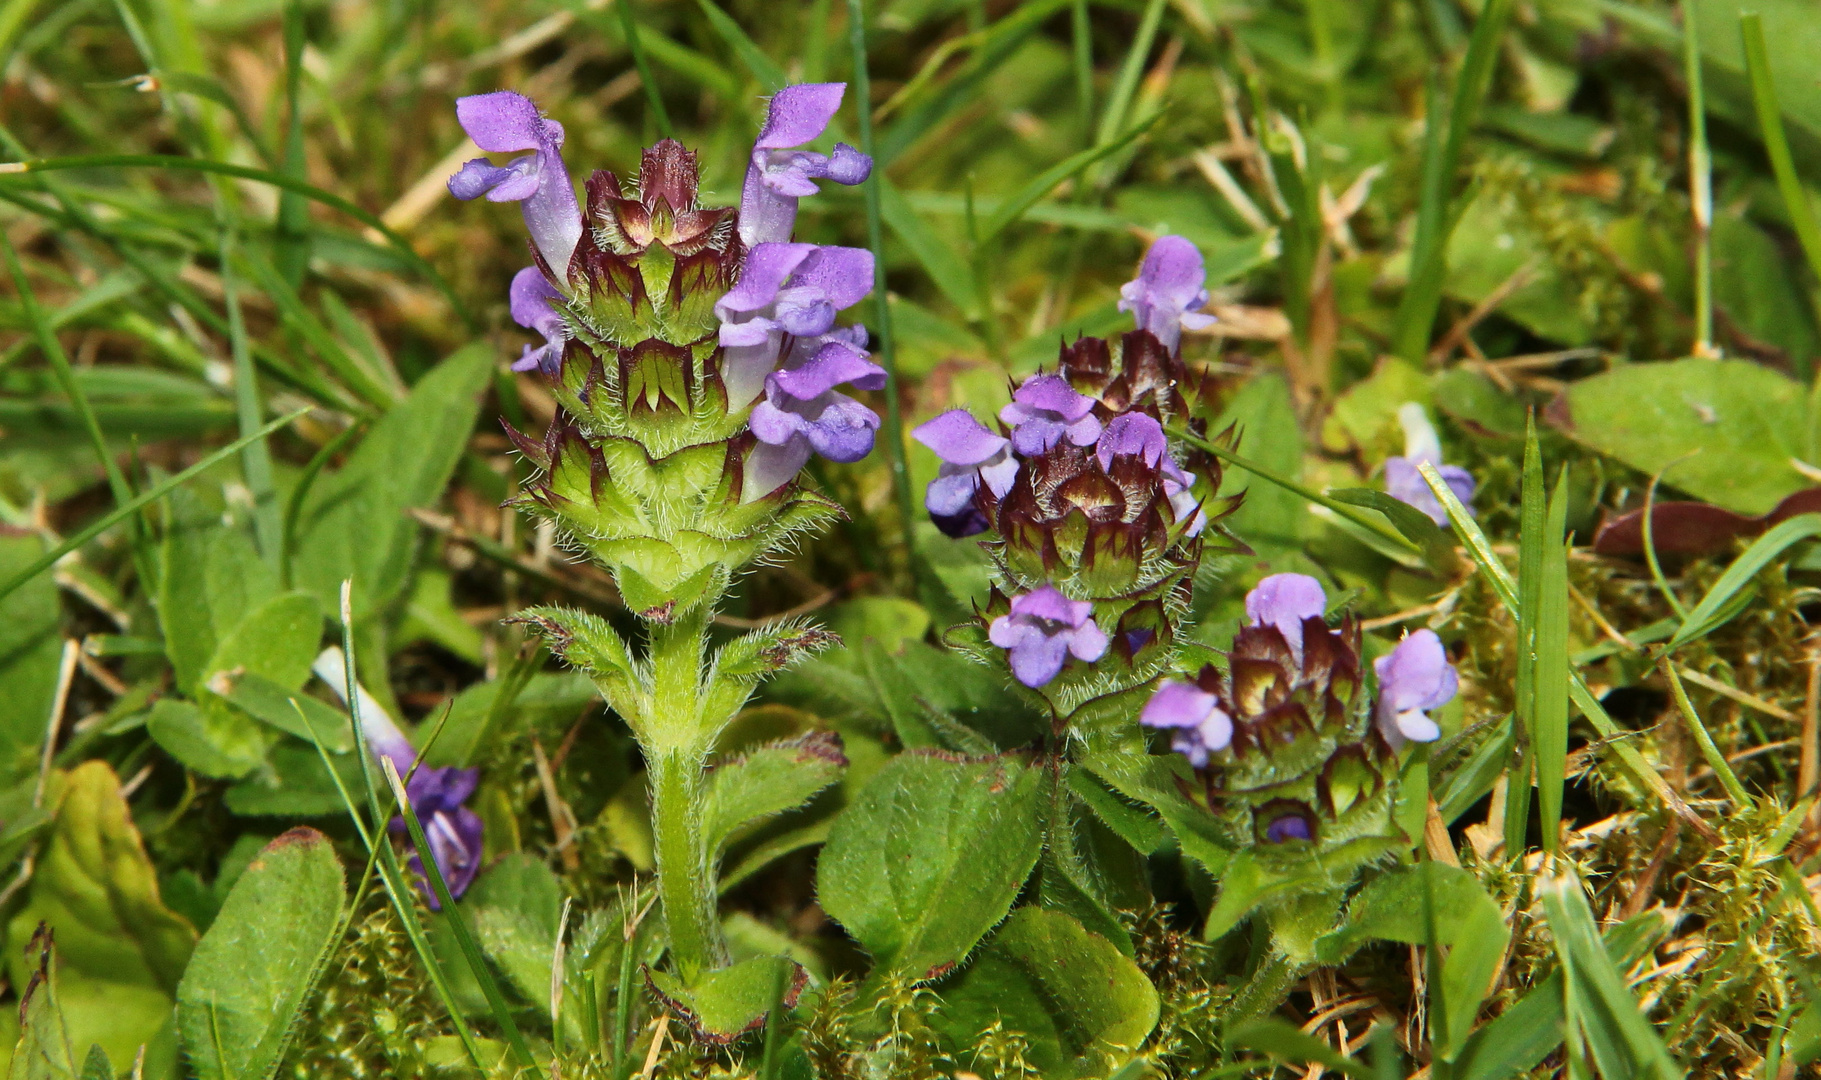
(834, 425)
(511, 182)
(1132, 433)
(1052, 393)
(1284, 601)
(1000, 475)
(1176, 705)
(769, 468)
(1035, 433)
(799, 114)
(951, 493)
(1289, 827)
(849, 166)
(1087, 642)
(505, 121)
(843, 274)
(1038, 659)
(835, 364)
(766, 269)
(958, 438)
(433, 789)
(1168, 287)
(1416, 674)
(1046, 602)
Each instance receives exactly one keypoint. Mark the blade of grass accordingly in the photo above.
(291, 240)
(379, 851)
(1776, 143)
(243, 172)
(1480, 549)
(1345, 510)
(1014, 206)
(150, 495)
(875, 239)
(1119, 102)
(256, 459)
(1700, 181)
(1082, 41)
(1441, 161)
(1532, 521)
(630, 26)
(762, 67)
(1549, 747)
(477, 963)
(1624, 1041)
(1707, 615)
(1703, 739)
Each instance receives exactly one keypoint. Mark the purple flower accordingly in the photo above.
(803, 413)
(1412, 679)
(971, 455)
(1422, 446)
(1168, 291)
(502, 122)
(1201, 727)
(1045, 410)
(793, 289)
(533, 307)
(1285, 601)
(1178, 487)
(1043, 630)
(436, 795)
(780, 175)
(1132, 433)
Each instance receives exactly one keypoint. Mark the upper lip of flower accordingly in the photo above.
(504, 122)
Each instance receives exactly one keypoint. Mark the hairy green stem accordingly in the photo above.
(677, 738)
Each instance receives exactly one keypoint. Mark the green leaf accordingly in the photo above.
(1550, 735)
(766, 781)
(294, 784)
(1716, 607)
(276, 641)
(208, 737)
(930, 856)
(517, 904)
(43, 1049)
(728, 1003)
(299, 714)
(96, 1066)
(1745, 420)
(1623, 1042)
(1071, 993)
(1287, 1043)
(121, 951)
(1271, 436)
(29, 649)
(1468, 922)
(1437, 546)
(240, 995)
(356, 523)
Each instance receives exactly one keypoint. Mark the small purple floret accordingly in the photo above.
(971, 455)
(784, 289)
(780, 175)
(1168, 292)
(453, 830)
(1199, 726)
(1422, 446)
(1043, 630)
(1284, 601)
(533, 307)
(1045, 410)
(1132, 433)
(1412, 679)
(504, 122)
(1288, 827)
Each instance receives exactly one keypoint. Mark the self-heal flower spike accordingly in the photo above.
(779, 175)
(1422, 446)
(503, 122)
(971, 455)
(1168, 293)
(1044, 411)
(1412, 679)
(1043, 630)
(437, 795)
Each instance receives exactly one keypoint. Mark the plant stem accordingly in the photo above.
(677, 738)
(1700, 183)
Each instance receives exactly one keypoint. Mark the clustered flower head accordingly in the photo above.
(695, 350)
(1285, 742)
(438, 796)
(1422, 446)
(1080, 497)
